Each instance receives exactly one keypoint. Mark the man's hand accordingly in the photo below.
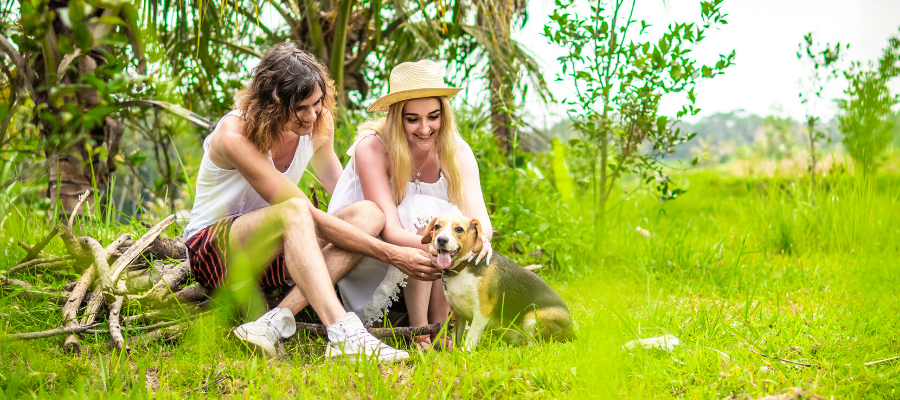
(415, 263)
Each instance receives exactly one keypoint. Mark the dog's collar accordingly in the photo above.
(453, 270)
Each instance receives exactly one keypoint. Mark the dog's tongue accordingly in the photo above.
(443, 260)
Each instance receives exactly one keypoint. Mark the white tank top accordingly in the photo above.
(224, 193)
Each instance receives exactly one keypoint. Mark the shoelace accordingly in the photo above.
(365, 339)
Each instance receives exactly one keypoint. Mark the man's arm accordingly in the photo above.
(324, 161)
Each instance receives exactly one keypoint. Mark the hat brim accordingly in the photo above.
(384, 102)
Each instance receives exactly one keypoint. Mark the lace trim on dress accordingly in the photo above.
(384, 296)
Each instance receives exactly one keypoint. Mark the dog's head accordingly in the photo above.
(453, 236)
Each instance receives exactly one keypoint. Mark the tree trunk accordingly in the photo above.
(339, 45)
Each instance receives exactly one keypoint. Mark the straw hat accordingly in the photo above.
(412, 80)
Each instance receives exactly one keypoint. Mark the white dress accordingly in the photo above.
(372, 285)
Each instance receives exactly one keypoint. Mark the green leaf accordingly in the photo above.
(694, 161)
(76, 12)
(64, 45)
(98, 113)
(83, 37)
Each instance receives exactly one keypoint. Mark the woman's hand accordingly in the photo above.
(486, 251)
(414, 262)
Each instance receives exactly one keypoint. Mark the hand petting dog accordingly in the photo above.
(499, 294)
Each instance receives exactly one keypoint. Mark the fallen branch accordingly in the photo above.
(138, 247)
(115, 330)
(81, 200)
(34, 251)
(70, 310)
(32, 293)
(47, 333)
(406, 332)
(876, 362)
(781, 359)
(40, 263)
(169, 282)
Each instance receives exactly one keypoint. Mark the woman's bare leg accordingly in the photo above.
(421, 301)
(438, 307)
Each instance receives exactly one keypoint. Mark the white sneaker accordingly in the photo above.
(265, 332)
(349, 338)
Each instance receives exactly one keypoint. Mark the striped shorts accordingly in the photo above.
(208, 250)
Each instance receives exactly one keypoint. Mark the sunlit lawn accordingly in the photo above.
(733, 267)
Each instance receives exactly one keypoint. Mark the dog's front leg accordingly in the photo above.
(458, 331)
(479, 324)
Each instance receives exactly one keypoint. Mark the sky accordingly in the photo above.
(765, 35)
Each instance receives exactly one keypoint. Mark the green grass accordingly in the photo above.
(734, 265)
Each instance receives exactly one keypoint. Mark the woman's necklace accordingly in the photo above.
(419, 170)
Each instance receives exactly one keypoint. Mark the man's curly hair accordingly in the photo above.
(284, 78)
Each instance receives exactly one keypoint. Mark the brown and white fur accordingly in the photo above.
(500, 294)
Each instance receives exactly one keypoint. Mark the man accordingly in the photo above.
(247, 200)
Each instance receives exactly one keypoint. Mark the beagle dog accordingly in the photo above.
(501, 294)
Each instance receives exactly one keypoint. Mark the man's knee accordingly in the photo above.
(368, 217)
(295, 210)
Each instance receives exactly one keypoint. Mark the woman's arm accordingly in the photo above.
(233, 148)
(474, 206)
(372, 168)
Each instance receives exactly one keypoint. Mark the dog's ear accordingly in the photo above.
(428, 231)
(475, 229)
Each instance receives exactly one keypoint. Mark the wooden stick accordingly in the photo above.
(73, 246)
(70, 310)
(320, 330)
(138, 247)
(32, 265)
(34, 251)
(115, 330)
(101, 265)
(45, 294)
(169, 282)
(116, 244)
(781, 359)
(81, 200)
(47, 333)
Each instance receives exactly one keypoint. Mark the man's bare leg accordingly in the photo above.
(288, 227)
(339, 261)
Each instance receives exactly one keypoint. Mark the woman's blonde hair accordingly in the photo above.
(390, 130)
(284, 78)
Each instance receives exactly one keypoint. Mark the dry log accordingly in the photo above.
(407, 332)
(45, 334)
(115, 330)
(70, 310)
(34, 251)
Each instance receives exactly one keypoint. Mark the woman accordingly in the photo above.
(249, 216)
(414, 165)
